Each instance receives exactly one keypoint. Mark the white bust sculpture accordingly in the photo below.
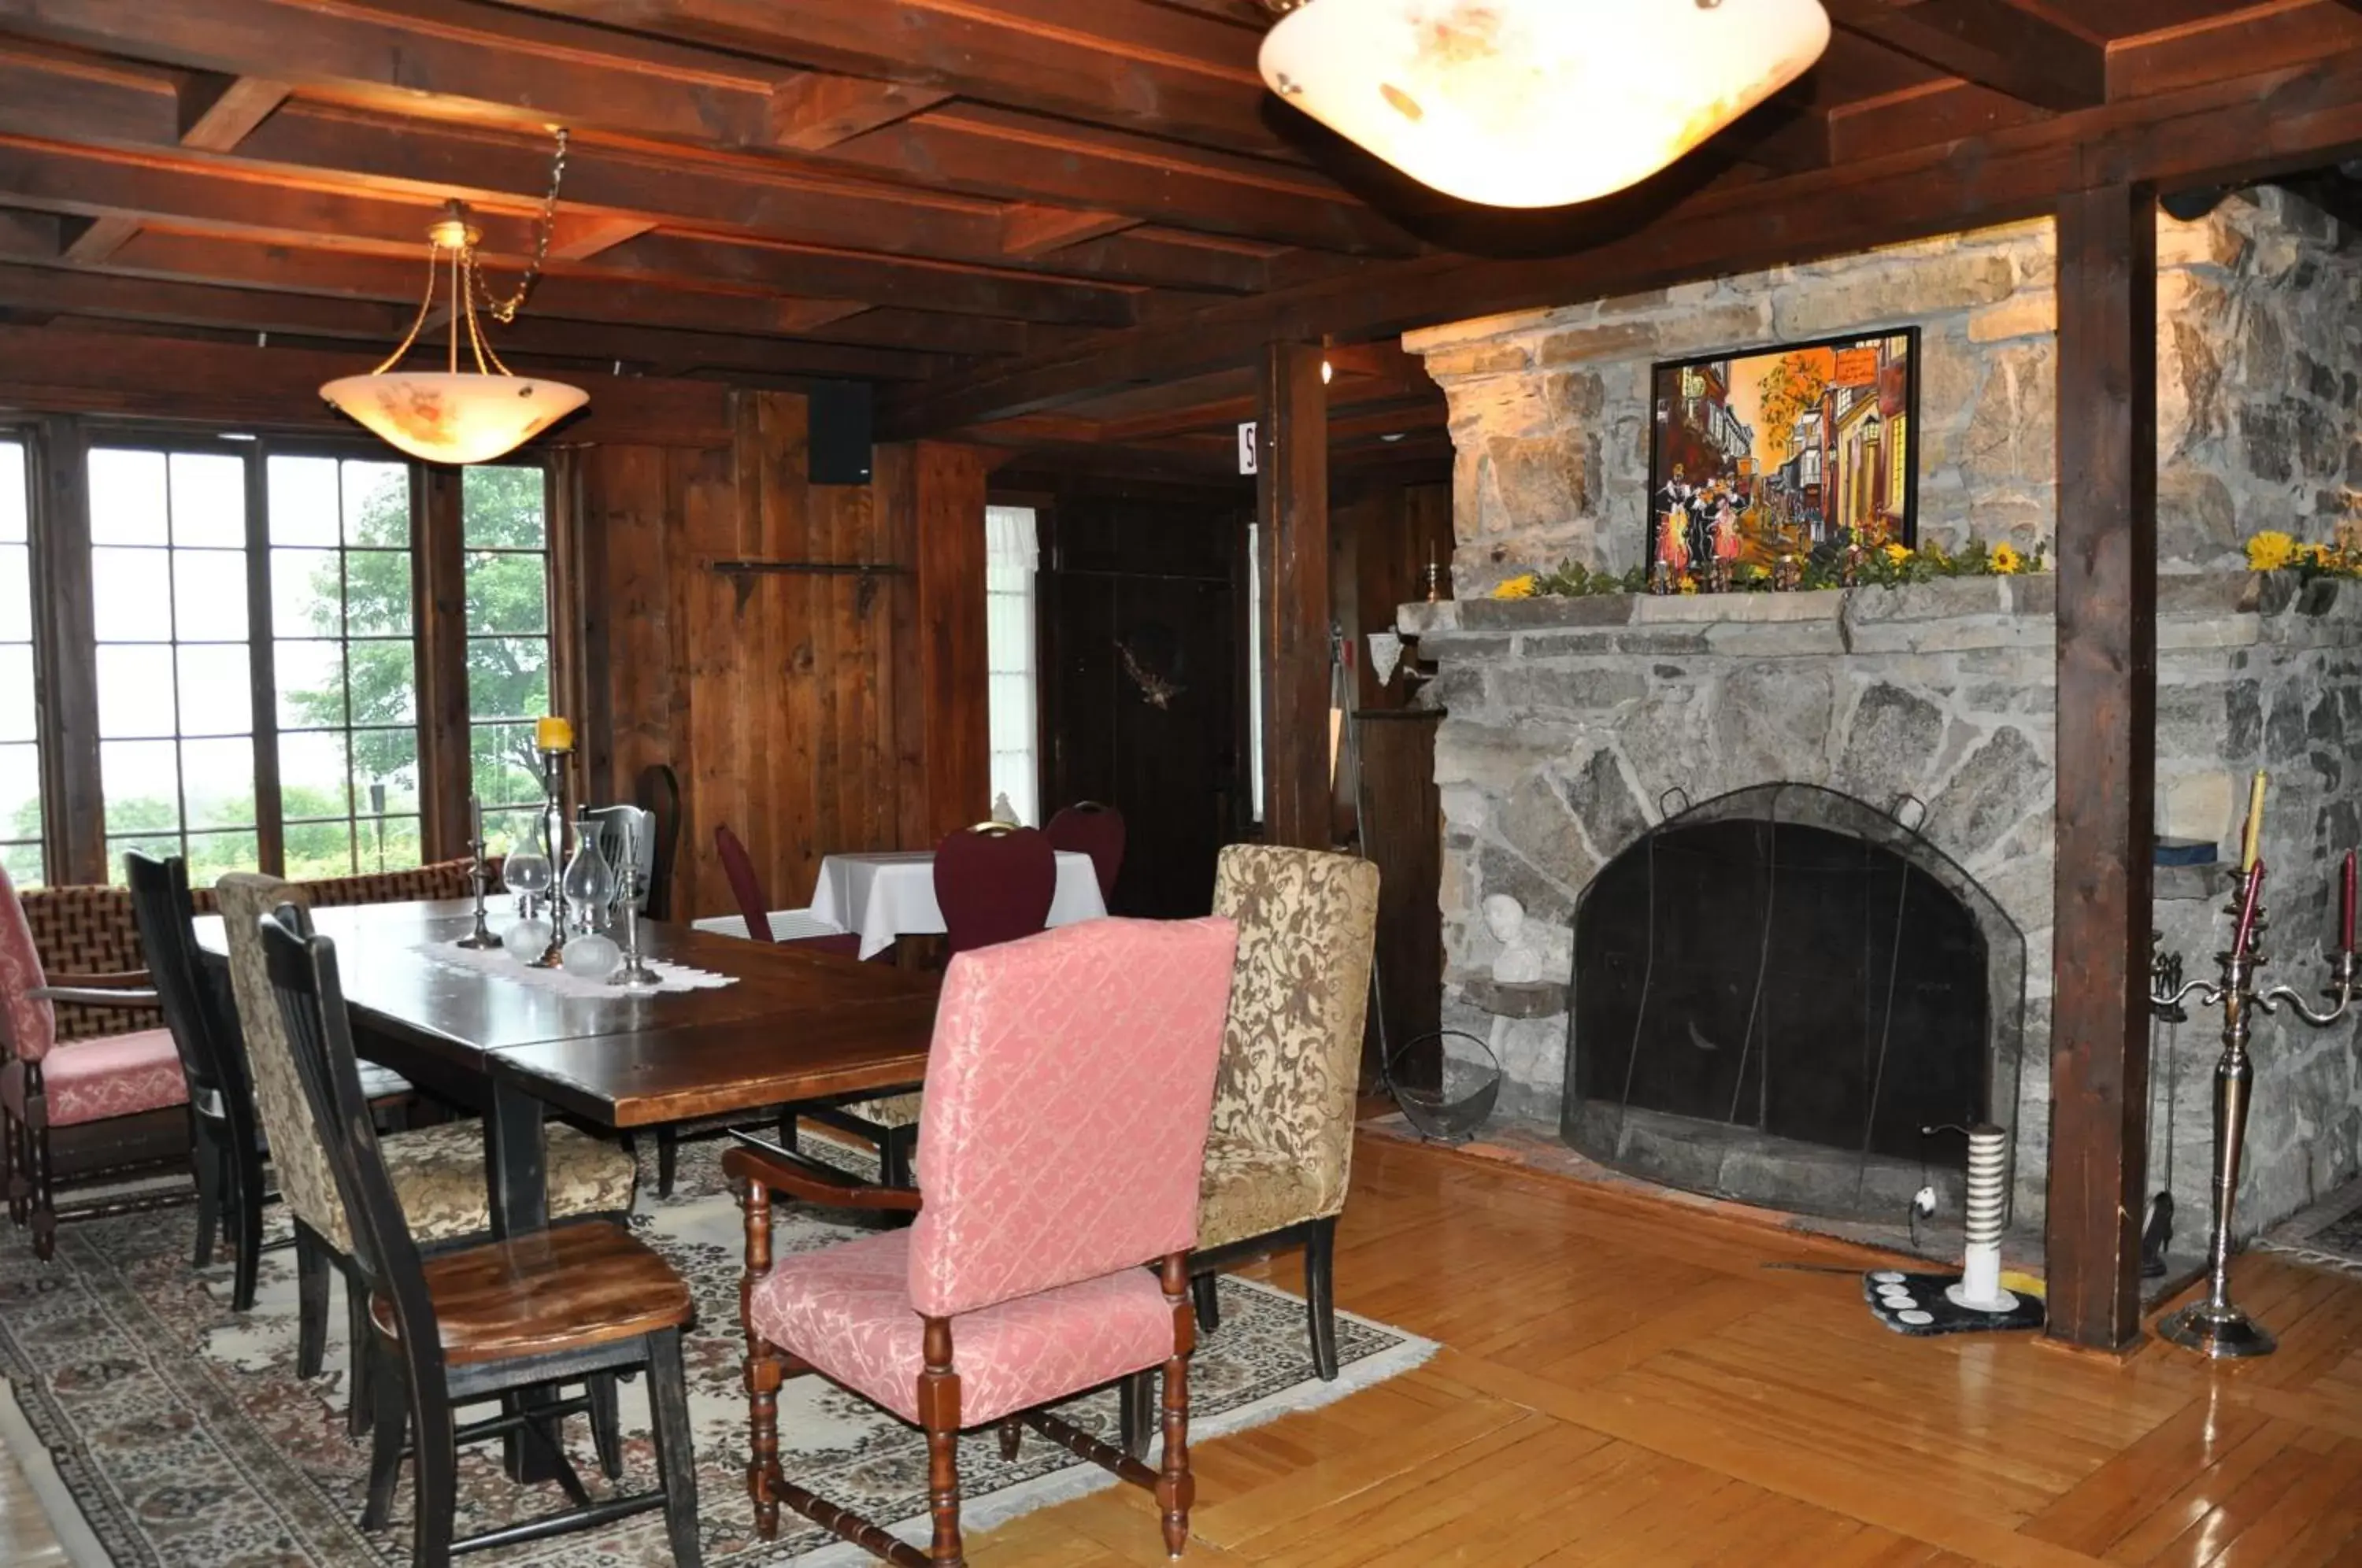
(1520, 962)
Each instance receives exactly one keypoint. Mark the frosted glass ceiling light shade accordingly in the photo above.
(456, 415)
(1537, 103)
(444, 418)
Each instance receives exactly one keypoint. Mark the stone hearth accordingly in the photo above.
(1574, 725)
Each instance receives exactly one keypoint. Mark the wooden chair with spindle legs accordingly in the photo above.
(1021, 1283)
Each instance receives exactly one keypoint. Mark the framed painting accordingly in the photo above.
(1759, 460)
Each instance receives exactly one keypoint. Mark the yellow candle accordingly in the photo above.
(2250, 846)
(555, 734)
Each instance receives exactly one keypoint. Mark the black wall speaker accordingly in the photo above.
(840, 432)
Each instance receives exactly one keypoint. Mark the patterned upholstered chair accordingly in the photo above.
(50, 1084)
(1068, 1094)
(437, 1172)
(1282, 1144)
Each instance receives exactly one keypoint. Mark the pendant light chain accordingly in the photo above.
(505, 310)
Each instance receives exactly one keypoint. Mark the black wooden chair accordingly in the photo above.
(578, 1303)
(658, 792)
(231, 1184)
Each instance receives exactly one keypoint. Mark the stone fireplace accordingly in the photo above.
(1587, 737)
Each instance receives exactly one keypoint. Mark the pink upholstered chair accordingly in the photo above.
(47, 1084)
(1068, 1091)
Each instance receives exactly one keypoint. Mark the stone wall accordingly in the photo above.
(1571, 720)
(2260, 327)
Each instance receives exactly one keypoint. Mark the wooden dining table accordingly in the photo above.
(798, 1025)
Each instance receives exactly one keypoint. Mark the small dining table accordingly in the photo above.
(891, 893)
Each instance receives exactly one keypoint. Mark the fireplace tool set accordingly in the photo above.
(2214, 1327)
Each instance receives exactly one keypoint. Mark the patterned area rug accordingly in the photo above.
(2329, 1232)
(186, 1439)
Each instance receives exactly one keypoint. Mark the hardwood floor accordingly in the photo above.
(1626, 1382)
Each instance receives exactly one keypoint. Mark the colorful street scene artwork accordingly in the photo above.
(1762, 462)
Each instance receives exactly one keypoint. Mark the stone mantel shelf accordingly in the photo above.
(2194, 610)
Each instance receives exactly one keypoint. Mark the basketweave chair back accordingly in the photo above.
(1089, 828)
(994, 883)
(211, 1060)
(1068, 1087)
(310, 997)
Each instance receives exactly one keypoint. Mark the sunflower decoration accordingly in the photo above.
(2005, 561)
(2270, 550)
(1519, 587)
(1897, 555)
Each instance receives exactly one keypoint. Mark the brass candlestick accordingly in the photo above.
(553, 789)
(2214, 1327)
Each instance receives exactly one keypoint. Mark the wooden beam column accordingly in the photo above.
(930, 496)
(2107, 762)
(1292, 559)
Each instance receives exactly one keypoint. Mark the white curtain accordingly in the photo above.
(1011, 554)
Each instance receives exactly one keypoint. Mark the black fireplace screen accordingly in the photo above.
(1779, 993)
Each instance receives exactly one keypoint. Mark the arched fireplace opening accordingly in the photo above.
(1777, 992)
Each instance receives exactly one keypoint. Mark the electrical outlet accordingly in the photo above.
(1924, 1200)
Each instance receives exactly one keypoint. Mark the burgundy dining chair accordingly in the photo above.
(744, 886)
(1089, 828)
(994, 883)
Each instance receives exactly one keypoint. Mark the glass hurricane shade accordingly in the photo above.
(444, 417)
(1537, 103)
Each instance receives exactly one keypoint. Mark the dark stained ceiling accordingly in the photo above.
(1060, 224)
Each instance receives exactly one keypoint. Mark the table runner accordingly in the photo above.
(492, 961)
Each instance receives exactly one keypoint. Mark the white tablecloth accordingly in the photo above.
(787, 925)
(892, 894)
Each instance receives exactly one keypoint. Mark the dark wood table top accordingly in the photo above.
(798, 1025)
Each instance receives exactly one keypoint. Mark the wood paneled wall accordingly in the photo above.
(810, 711)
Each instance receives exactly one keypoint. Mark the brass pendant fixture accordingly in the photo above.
(456, 415)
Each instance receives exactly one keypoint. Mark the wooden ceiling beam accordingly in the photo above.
(248, 311)
(1033, 231)
(563, 295)
(91, 240)
(1152, 70)
(1990, 42)
(218, 112)
(814, 110)
(2237, 129)
(878, 280)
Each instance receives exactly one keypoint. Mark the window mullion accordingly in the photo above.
(439, 628)
(262, 662)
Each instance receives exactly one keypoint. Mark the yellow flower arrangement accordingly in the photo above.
(2005, 561)
(2270, 550)
(1898, 554)
(2316, 556)
(1519, 587)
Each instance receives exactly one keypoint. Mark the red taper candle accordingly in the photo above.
(2345, 907)
(2248, 904)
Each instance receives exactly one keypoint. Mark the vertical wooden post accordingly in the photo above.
(439, 605)
(931, 500)
(2107, 762)
(73, 812)
(1292, 508)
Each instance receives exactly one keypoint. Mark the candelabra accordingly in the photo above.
(635, 974)
(478, 877)
(2214, 1327)
(553, 791)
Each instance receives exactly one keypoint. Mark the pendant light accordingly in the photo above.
(1535, 103)
(456, 415)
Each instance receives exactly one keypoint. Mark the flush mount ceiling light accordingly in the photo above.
(456, 415)
(1535, 103)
